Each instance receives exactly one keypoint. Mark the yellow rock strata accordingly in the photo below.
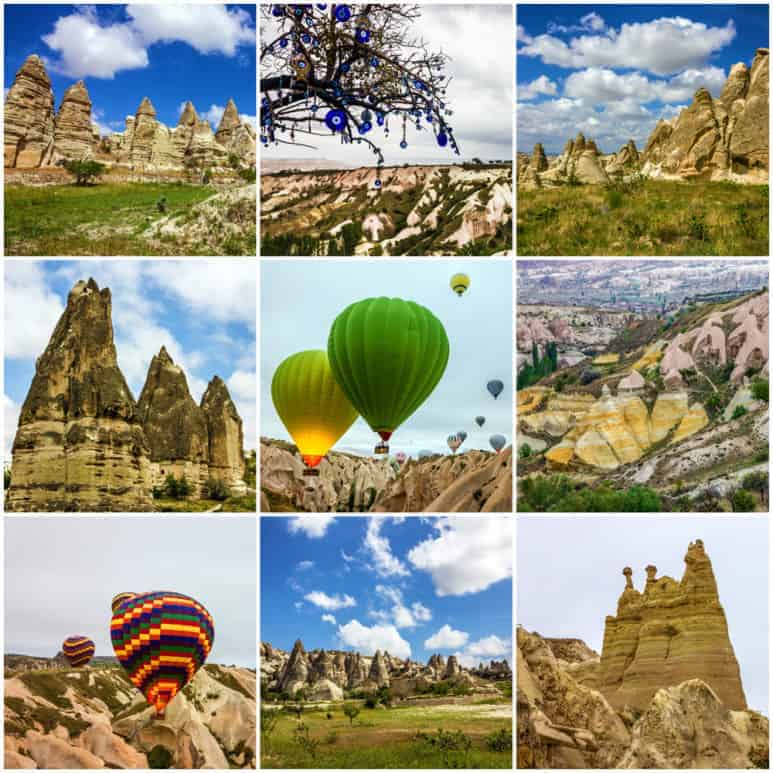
(530, 399)
(607, 359)
(650, 357)
(693, 421)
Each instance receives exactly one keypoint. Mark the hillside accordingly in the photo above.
(94, 717)
(473, 481)
(671, 414)
(416, 210)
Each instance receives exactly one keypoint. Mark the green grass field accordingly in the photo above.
(390, 738)
(648, 217)
(104, 219)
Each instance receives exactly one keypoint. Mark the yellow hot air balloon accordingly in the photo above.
(460, 283)
(311, 405)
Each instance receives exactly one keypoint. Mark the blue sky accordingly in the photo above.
(612, 71)
(170, 53)
(48, 597)
(412, 586)
(300, 300)
(570, 576)
(204, 313)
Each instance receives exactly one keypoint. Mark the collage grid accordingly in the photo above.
(365, 581)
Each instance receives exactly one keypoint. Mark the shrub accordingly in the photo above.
(351, 710)
(216, 489)
(304, 739)
(698, 228)
(525, 451)
(588, 376)
(177, 488)
(756, 481)
(742, 501)
(268, 722)
(761, 389)
(500, 740)
(614, 199)
(738, 412)
(161, 205)
(159, 758)
(371, 702)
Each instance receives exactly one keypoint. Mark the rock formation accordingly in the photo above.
(175, 427)
(29, 117)
(83, 444)
(36, 137)
(565, 722)
(324, 675)
(226, 438)
(80, 443)
(670, 632)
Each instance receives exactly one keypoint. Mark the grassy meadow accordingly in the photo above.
(103, 219)
(470, 735)
(644, 217)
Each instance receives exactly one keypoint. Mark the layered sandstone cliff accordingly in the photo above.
(225, 436)
(670, 632)
(80, 443)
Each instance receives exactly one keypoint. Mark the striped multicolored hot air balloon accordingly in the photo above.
(119, 598)
(78, 650)
(161, 639)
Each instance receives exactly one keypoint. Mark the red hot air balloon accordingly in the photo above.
(78, 650)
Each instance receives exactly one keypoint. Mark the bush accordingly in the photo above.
(614, 199)
(698, 228)
(742, 501)
(588, 376)
(216, 489)
(761, 389)
(555, 493)
(249, 175)
(84, 172)
(159, 758)
(757, 481)
(351, 710)
(500, 740)
(524, 452)
(371, 702)
(176, 488)
(162, 205)
(739, 412)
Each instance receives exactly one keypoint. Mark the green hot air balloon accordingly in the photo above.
(387, 355)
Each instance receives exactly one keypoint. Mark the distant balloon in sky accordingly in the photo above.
(387, 355)
(161, 639)
(453, 442)
(497, 442)
(460, 283)
(311, 405)
(480, 420)
(401, 457)
(462, 435)
(78, 650)
(119, 598)
(495, 387)
(424, 453)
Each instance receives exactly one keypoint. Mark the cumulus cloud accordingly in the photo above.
(446, 638)
(488, 648)
(467, 556)
(87, 47)
(521, 35)
(333, 603)
(661, 46)
(329, 619)
(304, 566)
(400, 614)
(541, 85)
(313, 526)
(591, 22)
(366, 640)
(384, 562)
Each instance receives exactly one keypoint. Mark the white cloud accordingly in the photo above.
(591, 22)
(329, 619)
(402, 615)
(521, 35)
(323, 601)
(662, 46)
(541, 85)
(347, 558)
(467, 556)
(420, 613)
(87, 47)
(313, 526)
(488, 648)
(384, 562)
(446, 638)
(298, 605)
(11, 410)
(243, 388)
(26, 335)
(304, 566)
(367, 640)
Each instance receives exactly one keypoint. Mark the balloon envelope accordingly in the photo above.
(480, 420)
(161, 639)
(119, 598)
(497, 442)
(400, 456)
(387, 355)
(78, 650)
(453, 442)
(460, 283)
(424, 453)
(310, 404)
(495, 387)
(462, 435)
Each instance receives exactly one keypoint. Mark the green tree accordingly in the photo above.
(761, 389)
(742, 501)
(524, 452)
(351, 710)
(738, 412)
(757, 481)
(85, 172)
(160, 758)
(268, 722)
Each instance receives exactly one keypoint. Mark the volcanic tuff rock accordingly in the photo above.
(29, 117)
(80, 444)
(36, 137)
(226, 438)
(667, 634)
(107, 723)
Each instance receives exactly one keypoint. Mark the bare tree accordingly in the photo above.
(349, 71)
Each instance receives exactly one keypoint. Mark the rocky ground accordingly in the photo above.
(94, 718)
(679, 407)
(474, 481)
(418, 210)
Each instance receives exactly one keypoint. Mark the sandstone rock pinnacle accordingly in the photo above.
(146, 108)
(188, 117)
(73, 132)
(671, 632)
(226, 437)
(80, 444)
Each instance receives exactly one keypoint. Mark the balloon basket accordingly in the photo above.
(311, 472)
(381, 448)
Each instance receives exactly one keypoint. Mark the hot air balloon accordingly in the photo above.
(387, 355)
(480, 420)
(78, 650)
(401, 457)
(497, 442)
(424, 453)
(119, 598)
(495, 387)
(462, 435)
(460, 284)
(311, 405)
(453, 442)
(161, 639)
